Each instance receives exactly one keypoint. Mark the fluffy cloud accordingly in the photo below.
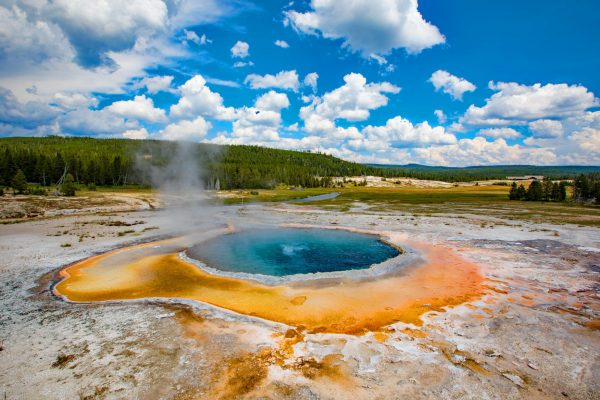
(287, 80)
(588, 140)
(272, 101)
(497, 133)
(22, 39)
(351, 101)
(441, 116)
(479, 151)
(369, 27)
(94, 122)
(95, 29)
(575, 141)
(310, 80)
(516, 104)
(197, 99)
(78, 46)
(400, 132)
(155, 84)
(192, 36)
(282, 43)
(28, 115)
(240, 49)
(187, 130)
(261, 123)
(73, 101)
(141, 133)
(546, 128)
(141, 107)
(451, 84)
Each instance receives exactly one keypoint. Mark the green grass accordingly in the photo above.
(478, 201)
(274, 195)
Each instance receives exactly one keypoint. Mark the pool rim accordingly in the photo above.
(407, 256)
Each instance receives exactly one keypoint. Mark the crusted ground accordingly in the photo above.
(534, 334)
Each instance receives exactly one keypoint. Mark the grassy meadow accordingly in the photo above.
(462, 201)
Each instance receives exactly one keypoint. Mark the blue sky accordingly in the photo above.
(390, 81)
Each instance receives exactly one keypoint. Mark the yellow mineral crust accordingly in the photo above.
(349, 306)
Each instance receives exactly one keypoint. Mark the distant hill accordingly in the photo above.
(125, 162)
(481, 172)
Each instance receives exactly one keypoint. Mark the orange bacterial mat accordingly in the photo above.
(345, 306)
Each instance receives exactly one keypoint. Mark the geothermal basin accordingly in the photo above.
(322, 280)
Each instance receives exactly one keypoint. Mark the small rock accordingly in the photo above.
(514, 379)
(165, 315)
(494, 354)
(532, 366)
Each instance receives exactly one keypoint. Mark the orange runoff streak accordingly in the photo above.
(349, 306)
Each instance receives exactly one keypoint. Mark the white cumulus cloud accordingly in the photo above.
(369, 27)
(155, 84)
(141, 107)
(497, 133)
(287, 80)
(400, 132)
(516, 104)
(546, 128)
(186, 130)
(141, 133)
(451, 84)
(86, 47)
(197, 99)
(310, 80)
(282, 43)
(240, 49)
(588, 140)
(272, 101)
(441, 116)
(479, 151)
(352, 101)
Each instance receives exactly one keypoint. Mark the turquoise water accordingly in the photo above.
(290, 251)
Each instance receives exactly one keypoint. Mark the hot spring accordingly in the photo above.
(292, 251)
(324, 280)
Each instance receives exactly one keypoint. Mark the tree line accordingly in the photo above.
(546, 190)
(586, 188)
(116, 162)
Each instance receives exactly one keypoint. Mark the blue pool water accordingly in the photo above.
(290, 251)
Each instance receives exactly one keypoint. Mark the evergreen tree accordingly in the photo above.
(555, 192)
(514, 192)
(547, 189)
(535, 192)
(521, 192)
(581, 188)
(19, 182)
(68, 186)
(562, 191)
(595, 192)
